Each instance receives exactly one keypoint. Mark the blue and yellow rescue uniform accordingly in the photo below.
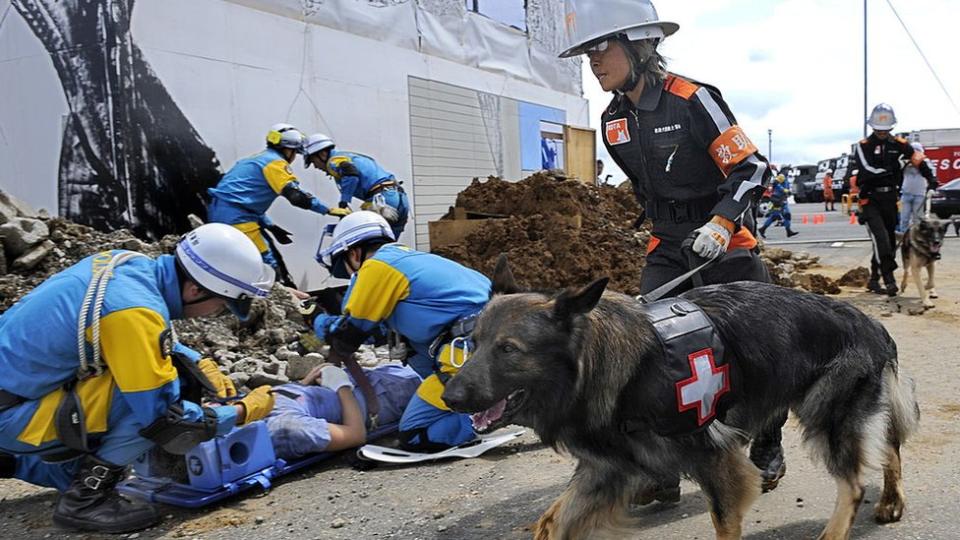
(138, 385)
(781, 206)
(420, 296)
(244, 194)
(359, 176)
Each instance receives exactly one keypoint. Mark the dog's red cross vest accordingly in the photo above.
(690, 386)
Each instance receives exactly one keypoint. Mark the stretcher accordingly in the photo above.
(223, 467)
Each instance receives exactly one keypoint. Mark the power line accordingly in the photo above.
(919, 50)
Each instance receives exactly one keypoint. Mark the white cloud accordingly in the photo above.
(796, 67)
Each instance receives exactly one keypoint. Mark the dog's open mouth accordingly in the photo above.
(500, 414)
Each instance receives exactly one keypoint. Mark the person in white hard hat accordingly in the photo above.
(247, 190)
(694, 171)
(429, 300)
(103, 386)
(359, 177)
(881, 175)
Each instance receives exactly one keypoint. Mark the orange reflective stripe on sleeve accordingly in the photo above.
(730, 148)
(652, 244)
(743, 239)
(680, 87)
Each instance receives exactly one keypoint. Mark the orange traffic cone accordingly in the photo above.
(853, 219)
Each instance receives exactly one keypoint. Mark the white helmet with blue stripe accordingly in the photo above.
(357, 228)
(227, 264)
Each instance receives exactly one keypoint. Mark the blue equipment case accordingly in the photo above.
(222, 467)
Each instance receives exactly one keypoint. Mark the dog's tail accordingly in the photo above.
(904, 410)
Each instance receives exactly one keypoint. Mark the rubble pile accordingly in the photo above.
(858, 277)
(541, 237)
(548, 250)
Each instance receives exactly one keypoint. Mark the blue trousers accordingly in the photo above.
(439, 427)
(911, 209)
(246, 221)
(120, 445)
(782, 212)
(398, 200)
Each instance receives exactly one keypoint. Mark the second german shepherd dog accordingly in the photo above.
(921, 249)
(574, 366)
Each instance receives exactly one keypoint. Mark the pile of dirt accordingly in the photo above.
(541, 237)
(858, 277)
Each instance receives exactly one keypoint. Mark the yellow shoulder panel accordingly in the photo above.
(130, 340)
(278, 174)
(378, 289)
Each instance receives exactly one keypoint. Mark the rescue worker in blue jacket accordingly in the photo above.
(359, 176)
(429, 300)
(90, 379)
(247, 190)
(781, 207)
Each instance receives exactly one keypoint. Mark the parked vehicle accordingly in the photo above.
(942, 147)
(946, 199)
(803, 180)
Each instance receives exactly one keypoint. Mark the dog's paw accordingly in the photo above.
(888, 511)
(933, 294)
(928, 304)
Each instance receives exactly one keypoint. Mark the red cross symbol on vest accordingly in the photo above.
(703, 389)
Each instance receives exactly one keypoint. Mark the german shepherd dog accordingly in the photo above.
(921, 249)
(574, 366)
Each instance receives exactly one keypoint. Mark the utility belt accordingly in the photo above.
(390, 184)
(449, 350)
(672, 211)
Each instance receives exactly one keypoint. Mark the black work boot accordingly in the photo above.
(8, 465)
(767, 455)
(874, 286)
(791, 232)
(92, 503)
(890, 284)
(763, 232)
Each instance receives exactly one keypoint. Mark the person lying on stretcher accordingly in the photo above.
(328, 413)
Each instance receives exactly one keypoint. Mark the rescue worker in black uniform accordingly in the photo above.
(693, 169)
(881, 175)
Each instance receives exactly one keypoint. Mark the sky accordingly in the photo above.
(796, 67)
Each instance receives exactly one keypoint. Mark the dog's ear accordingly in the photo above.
(573, 302)
(503, 281)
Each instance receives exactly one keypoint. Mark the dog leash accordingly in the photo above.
(661, 291)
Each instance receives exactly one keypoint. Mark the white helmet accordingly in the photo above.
(361, 226)
(285, 136)
(226, 263)
(313, 144)
(589, 22)
(882, 118)
(917, 146)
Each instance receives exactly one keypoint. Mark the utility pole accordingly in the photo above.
(865, 104)
(770, 144)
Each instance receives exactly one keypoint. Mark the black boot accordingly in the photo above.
(791, 232)
(762, 231)
(890, 284)
(8, 465)
(767, 455)
(92, 503)
(874, 286)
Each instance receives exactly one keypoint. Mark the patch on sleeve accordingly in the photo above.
(730, 148)
(617, 132)
(680, 87)
(702, 391)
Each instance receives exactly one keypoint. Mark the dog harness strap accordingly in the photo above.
(691, 386)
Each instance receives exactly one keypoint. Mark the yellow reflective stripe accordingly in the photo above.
(333, 165)
(252, 230)
(431, 390)
(130, 340)
(278, 174)
(378, 289)
(96, 395)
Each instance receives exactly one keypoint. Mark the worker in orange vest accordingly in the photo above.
(828, 198)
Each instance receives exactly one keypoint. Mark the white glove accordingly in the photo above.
(712, 240)
(334, 378)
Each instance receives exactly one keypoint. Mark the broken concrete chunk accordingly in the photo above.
(33, 256)
(298, 367)
(20, 234)
(23, 209)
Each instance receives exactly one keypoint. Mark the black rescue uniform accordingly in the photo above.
(880, 178)
(688, 160)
